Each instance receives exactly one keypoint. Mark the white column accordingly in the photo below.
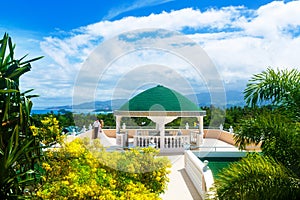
(118, 123)
(156, 126)
(201, 125)
(201, 132)
(161, 127)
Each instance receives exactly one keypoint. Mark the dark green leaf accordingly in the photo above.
(32, 60)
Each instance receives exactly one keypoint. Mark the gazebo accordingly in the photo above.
(161, 105)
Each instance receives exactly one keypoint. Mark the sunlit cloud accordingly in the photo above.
(240, 42)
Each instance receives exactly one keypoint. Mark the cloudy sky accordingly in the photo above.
(101, 50)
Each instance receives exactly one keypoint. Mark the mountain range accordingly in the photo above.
(233, 98)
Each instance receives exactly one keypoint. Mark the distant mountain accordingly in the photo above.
(233, 98)
(94, 105)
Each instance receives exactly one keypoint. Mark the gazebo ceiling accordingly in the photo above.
(160, 101)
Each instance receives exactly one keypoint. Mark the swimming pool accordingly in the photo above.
(217, 160)
(216, 164)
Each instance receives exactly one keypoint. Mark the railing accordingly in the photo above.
(175, 142)
(145, 141)
(193, 135)
(146, 132)
(200, 175)
(154, 132)
(87, 134)
(170, 143)
(217, 148)
(122, 139)
(224, 148)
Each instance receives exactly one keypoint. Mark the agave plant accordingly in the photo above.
(19, 150)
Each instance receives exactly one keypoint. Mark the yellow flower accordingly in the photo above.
(65, 182)
(46, 166)
(34, 130)
(43, 178)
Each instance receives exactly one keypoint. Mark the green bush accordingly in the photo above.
(81, 170)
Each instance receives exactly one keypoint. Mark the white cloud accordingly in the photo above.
(174, 20)
(272, 18)
(133, 6)
(240, 41)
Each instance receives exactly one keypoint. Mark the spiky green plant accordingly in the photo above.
(18, 148)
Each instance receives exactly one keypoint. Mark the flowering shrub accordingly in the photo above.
(84, 170)
(50, 132)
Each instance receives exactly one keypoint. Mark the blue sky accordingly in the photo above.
(240, 37)
(47, 16)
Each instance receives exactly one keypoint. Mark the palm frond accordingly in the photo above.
(257, 177)
(279, 87)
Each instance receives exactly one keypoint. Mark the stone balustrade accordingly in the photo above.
(199, 173)
(170, 143)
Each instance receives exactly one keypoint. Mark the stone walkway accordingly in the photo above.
(180, 186)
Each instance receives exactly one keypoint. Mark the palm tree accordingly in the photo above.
(18, 148)
(279, 137)
(278, 129)
(256, 177)
(275, 175)
(280, 88)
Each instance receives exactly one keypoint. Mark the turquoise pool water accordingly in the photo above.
(216, 164)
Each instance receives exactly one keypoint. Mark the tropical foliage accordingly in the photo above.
(257, 177)
(19, 150)
(279, 137)
(281, 88)
(84, 170)
(274, 174)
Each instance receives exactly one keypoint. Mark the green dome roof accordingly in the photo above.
(159, 98)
